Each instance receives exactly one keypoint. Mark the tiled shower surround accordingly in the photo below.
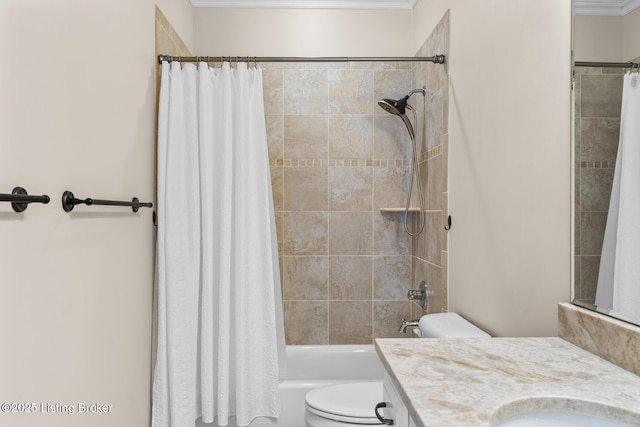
(598, 97)
(337, 158)
(429, 250)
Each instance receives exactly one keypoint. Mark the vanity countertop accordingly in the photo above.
(463, 381)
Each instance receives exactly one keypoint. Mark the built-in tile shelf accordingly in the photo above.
(399, 210)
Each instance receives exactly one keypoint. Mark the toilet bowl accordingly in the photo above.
(354, 404)
(343, 404)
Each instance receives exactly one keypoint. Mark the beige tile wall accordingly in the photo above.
(168, 42)
(336, 158)
(598, 98)
(430, 247)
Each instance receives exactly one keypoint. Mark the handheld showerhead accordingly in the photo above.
(396, 107)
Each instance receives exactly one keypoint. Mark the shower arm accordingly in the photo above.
(404, 117)
(423, 91)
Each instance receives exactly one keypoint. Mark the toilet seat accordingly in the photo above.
(351, 403)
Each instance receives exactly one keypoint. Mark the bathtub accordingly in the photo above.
(315, 366)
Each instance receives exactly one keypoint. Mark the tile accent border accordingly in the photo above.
(597, 165)
(295, 163)
(435, 151)
(613, 340)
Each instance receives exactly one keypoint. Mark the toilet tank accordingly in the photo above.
(449, 325)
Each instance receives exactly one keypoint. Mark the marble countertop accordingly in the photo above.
(465, 381)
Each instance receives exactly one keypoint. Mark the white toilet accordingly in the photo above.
(342, 405)
(449, 325)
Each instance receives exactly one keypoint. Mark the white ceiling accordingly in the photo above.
(581, 7)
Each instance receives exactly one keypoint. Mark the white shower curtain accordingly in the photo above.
(618, 289)
(220, 322)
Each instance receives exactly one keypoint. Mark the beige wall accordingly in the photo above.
(302, 32)
(607, 38)
(77, 113)
(631, 35)
(598, 38)
(509, 160)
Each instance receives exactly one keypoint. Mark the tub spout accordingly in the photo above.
(408, 324)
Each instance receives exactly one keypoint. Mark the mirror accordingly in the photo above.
(606, 34)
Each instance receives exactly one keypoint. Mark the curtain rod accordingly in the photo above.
(438, 59)
(606, 64)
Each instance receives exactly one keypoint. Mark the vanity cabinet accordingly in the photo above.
(395, 409)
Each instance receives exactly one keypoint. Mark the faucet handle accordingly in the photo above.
(421, 294)
(415, 294)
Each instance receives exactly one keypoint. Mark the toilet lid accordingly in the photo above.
(449, 325)
(349, 402)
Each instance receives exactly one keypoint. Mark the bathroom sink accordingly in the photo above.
(562, 412)
(559, 419)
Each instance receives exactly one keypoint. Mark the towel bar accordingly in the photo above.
(69, 201)
(20, 199)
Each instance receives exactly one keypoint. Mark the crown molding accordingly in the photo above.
(605, 7)
(581, 7)
(307, 4)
